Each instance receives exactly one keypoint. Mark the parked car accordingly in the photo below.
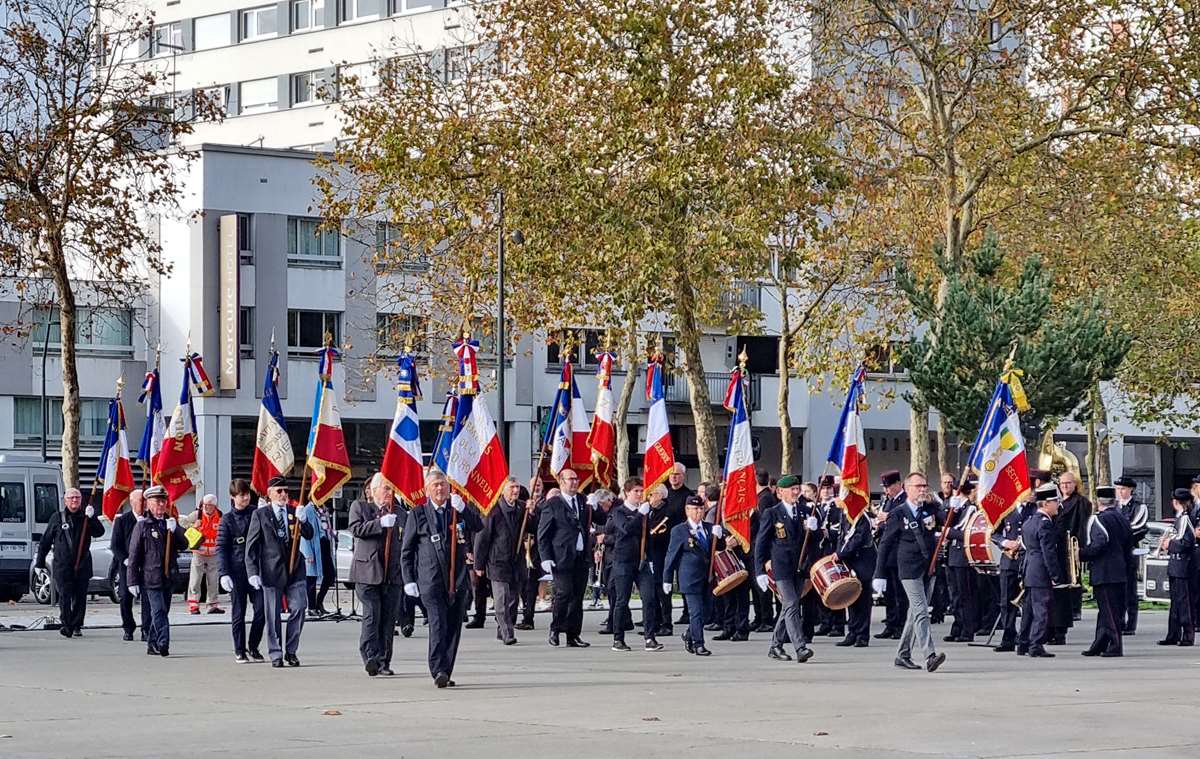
(30, 492)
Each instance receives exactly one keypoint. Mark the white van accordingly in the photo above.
(30, 498)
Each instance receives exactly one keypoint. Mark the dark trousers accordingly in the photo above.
(160, 623)
(242, 592)
(964, 601)
(1194, 590)
(72, 601)
(1110, 597)
(858, 614)
(611, 590)
(894, 601)
(1181, 625)
(939, 604)
(128, 624)
(763, 603)
(623, 582)
(1035, 616)
(1010, 586)
(1062, 610)
(445, 629)
(482, 591)
(810, 612)
(737, 609)
(1129, 622)
(328, 570)
(665, 609)
(406, 610)
(528, 594)
(698, 605)
(569, 586)
(379, 605)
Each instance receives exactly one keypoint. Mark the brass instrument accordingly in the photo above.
(1074, 563)
(1056, 459)
(660, 527)
(598, 554)
(1167, 537)
(529, 551)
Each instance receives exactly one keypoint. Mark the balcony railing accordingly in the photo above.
(742, 294)
(675, 389)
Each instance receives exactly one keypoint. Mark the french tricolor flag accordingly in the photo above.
(273, 454)
(327, 455)
(740, 491)
(156, 429)
(602, 439)
(402, 465)
(178, 466)
(581, 429)
(848, 453)
(476, 467)
(659, 458)
(559, 437)
(114, 472)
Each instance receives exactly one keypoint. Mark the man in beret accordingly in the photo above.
(274, 528)
(786, 527)
(894, 600)
(1137, 515)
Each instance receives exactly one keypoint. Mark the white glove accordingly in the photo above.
(172, 524)
(879, 585)
(89, 512)
(458, 504)
(125, 563)
(227, 583)
(810, 523)
(718, 531)
(302, 513)
(547, 565)
(255, 582)
(135, 590)
(410, 589)
(387, 521)
(667, 588)
(644, 508)
(763, 582)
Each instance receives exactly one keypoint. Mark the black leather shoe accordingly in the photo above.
(1040, 653)
(1168, 642)
(386, 670)
(449, 683)
(552, 639)
(861, 643)
(474, 624)
(577, 643)
(723, 636)
(1004, 648)
(764, 628)
(372, 666)
(836, 632)
(903, 663)
(822, 631)
(886, 634)
(949, 638)
(164, 652)
(683, 620)
(1022, 650)
(739, 637)
(1129, 632)
(665, 630)
(702, 651)
(406, 630)
(524, 626)
(1089, 652)
(606, 630)
(934, 661)
(804, 655)
(1057, 640)
(687, 644)
(777, 653)
(151, 650)
(845, 642)
(77, 633)
(291, 660)
(1110, 654)
(441, 679)
(277, 663)
(256, 655)
(619, 645)
(1182, 642)
(510, 642)
(653, 645)
(712, 627)
(127, 636)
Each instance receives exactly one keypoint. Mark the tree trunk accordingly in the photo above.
(688, 340)
(785, 376)
(945, 464)
(918, 426)
(629, 364)
(70, 373)
(1089, 459)
(1103, 460)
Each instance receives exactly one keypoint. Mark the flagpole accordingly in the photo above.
(307, 454)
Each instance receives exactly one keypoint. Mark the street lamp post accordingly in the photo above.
(501, 334)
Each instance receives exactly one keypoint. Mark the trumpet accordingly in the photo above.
(529, 552)
(1074, 563)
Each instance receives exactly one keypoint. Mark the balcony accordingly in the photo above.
(675, 389)
(741, 295)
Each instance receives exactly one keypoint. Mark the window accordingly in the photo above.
(258, 95)
(212, 31)
(359, 78)
(304, 87)
(27, 419)
(360, 10)
(94, 327)
(258, 23)
(246, 329)
(886, 359)
(391, 254)
(395, 331)
(308, 242)
(215, 97)
(166, 39)
(45, 502)
(307, 14)
(12, 503)
(411, 6)
(457, 63)
(244, 237)
(581, 355)
(307, 329)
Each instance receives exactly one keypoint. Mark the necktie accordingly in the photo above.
(441, 519)
(702, 537)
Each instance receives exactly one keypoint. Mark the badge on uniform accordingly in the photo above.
(154, 534)
(459, 531)
(691, 544)
(239, 540)
(780, 531)
(435, 538)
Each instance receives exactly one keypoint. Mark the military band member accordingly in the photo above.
(1106, 549)
(1043, 571)
(1137, 515)
(1007, 537)
(1194, 515)
(425, 553)
(624, 538)
(375, 572)
(70, 535)
(763, 601)
(689, 555)
(274, 527)
(231, 563)
(154, 550)
(829, 515)
(857, 551)
(780, 542)
(122, 531)
(498, 556)
(909, 540)
(939, 603)
(1180, 545)
(894, 599)
(566, 542)
(964, 596)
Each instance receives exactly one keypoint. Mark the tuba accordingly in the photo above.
(1055, 458)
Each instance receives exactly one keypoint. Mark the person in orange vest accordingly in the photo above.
(207, 520)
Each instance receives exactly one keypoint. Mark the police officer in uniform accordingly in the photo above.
(781, 537)
(1180, 545)
(231, 563)
(894, 599)
(1043, 571)
(375, 573)
(1106, 549)
(122, 531)
(829, 515)
(71, 537)
(1007, 538)
(273, 528)
(857, 551)
(154, 549)
(1137, 515)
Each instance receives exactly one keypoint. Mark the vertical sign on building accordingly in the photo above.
(229, 266)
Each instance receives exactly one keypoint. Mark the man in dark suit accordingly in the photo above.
(499, 558)
(763, 601)
(894, 600)
(677, 493)
(689, 554)
(625, 538)
(375, 573)
(857, 551)
(1043, 572)
(781, 538)
(231, 563)
(1180, 545)
(122, 531)
(70, 535)
(433, 554)
(531, 572)
(565, 542)
(909, 540)
(1007, 538)
(273, 528)
(1106, 547)
(1137, 515)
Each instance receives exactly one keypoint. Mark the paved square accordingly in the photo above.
(100, 697)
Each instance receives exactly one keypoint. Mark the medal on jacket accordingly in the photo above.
(780, 531)
(154, 534)
(458, 529)
(691, 543)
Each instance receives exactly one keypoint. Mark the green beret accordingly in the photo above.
(788, 481)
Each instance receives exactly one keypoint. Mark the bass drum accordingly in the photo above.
(835, 583)
(982, 553)
(728, 572)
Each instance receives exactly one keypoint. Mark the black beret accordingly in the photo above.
(827, 481)
(1196, 479)
(694, 500)
(890, 477)
(277, 482)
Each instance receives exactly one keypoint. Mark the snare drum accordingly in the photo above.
(728, 572)
(982, 553)
(835, 583)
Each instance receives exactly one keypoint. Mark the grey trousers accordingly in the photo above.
(787, 624)
(297, 603)
(505, 595)
(916, 625)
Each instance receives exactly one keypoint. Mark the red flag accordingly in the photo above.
(602, 439)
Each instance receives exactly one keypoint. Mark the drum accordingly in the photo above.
(835, 583)
(982, 553)
(728, 572)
